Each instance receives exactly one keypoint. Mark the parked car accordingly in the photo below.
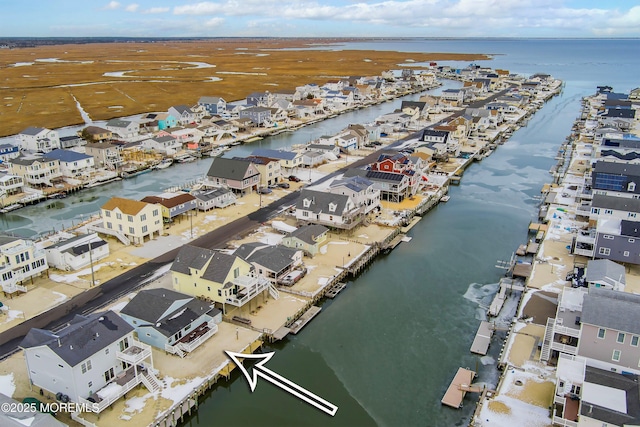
(265, 190)
(283, 185)
(294, 178)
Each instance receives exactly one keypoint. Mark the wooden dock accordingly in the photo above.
(498, 300)
(458, 388)
(335, 289)
(483, 338)
(304, 319)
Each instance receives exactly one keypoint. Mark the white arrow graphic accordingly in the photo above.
(259, 370)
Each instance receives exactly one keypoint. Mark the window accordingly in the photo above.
(634, 341)
(109, 225)
(155, 212)
(144, 228)
(631, 215)
(132, 230)
(620, 338)
(236, 272)
(608, 212)
(90, 384)
(306, 203)
(109, 375)
(209, 288)
(143, 217)
(106, 350)
(608, 237)
(305, 213)
(130, 218)
(601, 332)
(86, 366)
(107, 213)
(604, 251)
(616, 355)
(118, 216)
(631, 186)
(219, 292)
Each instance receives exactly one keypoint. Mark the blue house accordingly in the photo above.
(8, 152)
(166, 120)
(213, 104)
(171, 321)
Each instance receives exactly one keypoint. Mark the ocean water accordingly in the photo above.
(385, 350)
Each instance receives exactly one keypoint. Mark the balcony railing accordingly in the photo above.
(564, 348)
(559, 421)
(565, 330)
(135, 353)
(252, 287)
(187, 347)
(111, 398)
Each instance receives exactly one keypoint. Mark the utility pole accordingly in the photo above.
(93, 279)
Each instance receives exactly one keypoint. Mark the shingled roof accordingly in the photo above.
(126, 206)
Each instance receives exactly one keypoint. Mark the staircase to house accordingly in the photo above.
(11, 285)
(174, 350)
(99, 229)
(150, 381)
(274, 292)
(545, 352)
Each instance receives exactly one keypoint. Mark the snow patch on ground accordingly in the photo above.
(136, 404)
(7, 385)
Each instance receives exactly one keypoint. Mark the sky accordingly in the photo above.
(328, 18)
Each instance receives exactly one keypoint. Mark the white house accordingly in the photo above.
(38, 139)
(72, 163)
(20, 260)
(94, 361)
(167, 144)
(126, 130)
(77, 252)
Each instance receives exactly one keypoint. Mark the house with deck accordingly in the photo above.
(96, 134)
(8, 152)
(37, 139)
(604, 273)
(211, 198)
(259, 116)
(171, 321)
(173, 205)
(359, 189)
(71, 141)
(36, 171)
(275, 263)
(72, 163)
(168, 145)
(20, 261)
(328, 209)
(288, 159)
(77, 252)
(130, 220)
(616, 179)
(270, 169)
(183, 114)
(105, 154)
(308, 238)
(126, 130)
(228, 280)
(10, 185)
(213, 104)
(239, 176)
(95, 360)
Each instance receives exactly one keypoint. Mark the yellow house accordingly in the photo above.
(228, 280)
(130, 218)
(20, 260)
(270, 172)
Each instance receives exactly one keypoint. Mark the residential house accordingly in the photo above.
(20, 414)
(277, 264)
(455, 97)
(173, 204)
(105, 154)
(77, 252)
(71, 141)
(359, 189)
(393, 186)
(260, 116)
(610, 330)
(237, 175)
(36, 171)
(618, 147)
(20, 260)
(228, 280)
(621, 118)
(213, 104)
(331, 210)
(434, 136)
(214, 198)
(96, 134)
(72, 163)
(270, 169)
(171, 321)
(607, 207)
(308, 238)
(130, 218)
(563, 331)
(38, 139)
(604, 273)
(166, 121)
(331, 149)
(189, 134)
(616, 179)
(95, 359)
(127, 130)
(183, 114)
(10, 185)
(8, 152)
(288, 159)
(305, 108)
(256, 99)
(394, 162)
(311, 159)
(167, 145)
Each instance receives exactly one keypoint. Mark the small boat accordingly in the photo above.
(165, 163)
(10, 208)
(445, 198)
(57, 196)
(131, 174)
(184, 158)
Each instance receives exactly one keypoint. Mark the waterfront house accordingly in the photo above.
(105, 154)
(173, 204)
(311, 159)
(36, 139)
(183, 114)
(72, 163)
(165, 120)
(94, 359)
(275, 263)
(418, 109)
(604, 273)
(130, 220)
(613, 238)
(270, 169)
(171, 321)
(213, 104)
(393, 187)
(71, 141)
(259, 116)
(126, 130)
(20, 260)
(308, 238)
(166, 144)
(186, 135)
(10, 185)
(36, 171)
(214, 198)
(259, 99)
(607, 207)
(238, 175)
(288, 159)
(616, 179)
(8, 152)
(331, 149)
(332, 210)
(434, 136)
(359, 189)
(96, 134)
(620, 118)
(77, 252)
(228, 280)
(455, 97)
(618, 147)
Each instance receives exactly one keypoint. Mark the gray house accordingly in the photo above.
(214, 198)
(275, 263)
(258, 115)
(616, 179)
(237, 175)
(95, 359)
(604, 273)
(213, 104)
(308, 238)
(331, 210)
(610, 332)
(173, 204)
(171, 321)
(618, 240)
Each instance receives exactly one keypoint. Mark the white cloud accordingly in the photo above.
(156, 10)
(132, 7)
(112, 5)
(214, 22)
